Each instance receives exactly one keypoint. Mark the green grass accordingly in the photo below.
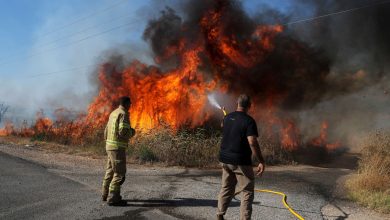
(376, 200)
(145, 154)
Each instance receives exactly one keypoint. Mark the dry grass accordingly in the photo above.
(186, 147)
(371, 185)
(273, 152)
(193, 148)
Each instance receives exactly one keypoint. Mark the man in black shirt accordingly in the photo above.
(239, 142)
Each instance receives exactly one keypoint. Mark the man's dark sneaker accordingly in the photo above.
(117, 203)
(220, 217)
(116, 200)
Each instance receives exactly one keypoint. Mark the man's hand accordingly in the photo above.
(254, 144)
(260, 169)
(224, 111)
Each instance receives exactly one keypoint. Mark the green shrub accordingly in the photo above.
(146, 154)
(39, 137)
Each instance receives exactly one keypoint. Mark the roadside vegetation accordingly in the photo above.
(185, 147)
(371, 185)
(196, 147)
(191, 147)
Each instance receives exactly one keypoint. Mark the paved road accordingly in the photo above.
(67, 187)
(30, 191)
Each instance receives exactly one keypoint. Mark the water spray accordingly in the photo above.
(214, 102)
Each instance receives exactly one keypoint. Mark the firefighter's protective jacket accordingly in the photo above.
(118, 130)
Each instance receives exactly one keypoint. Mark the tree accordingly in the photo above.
(3, 111)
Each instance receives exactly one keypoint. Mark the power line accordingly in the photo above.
(36, 75)
(59, 71)
(334, 13)
(80, 19)
(120, 26)
(44, 44)
(82, 31)
(74, 42)
(94, 13)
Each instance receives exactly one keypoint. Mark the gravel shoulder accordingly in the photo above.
(180, 193)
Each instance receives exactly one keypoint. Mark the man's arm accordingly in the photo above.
(124, 126)
(255, 148)
(125, 129)
(105, 133)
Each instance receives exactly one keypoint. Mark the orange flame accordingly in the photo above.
(177, 97)
(289, 136)
(322, 140)
(42, 123)
(174, 98)
(7, 130)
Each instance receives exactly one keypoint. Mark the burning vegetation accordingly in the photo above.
(216, 48)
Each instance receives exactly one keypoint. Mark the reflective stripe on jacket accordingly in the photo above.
(118, 130)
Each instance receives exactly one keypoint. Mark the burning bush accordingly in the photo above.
(371, 185)
(216, 48)
(66, 127)
(7, 130)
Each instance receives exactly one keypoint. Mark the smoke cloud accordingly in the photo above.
(316, 70)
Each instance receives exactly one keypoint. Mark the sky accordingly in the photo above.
(42, 40)
(49, 49)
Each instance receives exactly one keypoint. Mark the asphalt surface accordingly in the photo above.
(30, 191)
(67, 187)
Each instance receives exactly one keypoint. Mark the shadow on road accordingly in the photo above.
(179, 202)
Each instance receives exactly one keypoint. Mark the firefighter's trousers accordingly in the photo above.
(115, 171)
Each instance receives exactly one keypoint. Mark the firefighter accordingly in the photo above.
(117, 134)
(239, 143)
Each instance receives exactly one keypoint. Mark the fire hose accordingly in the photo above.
(284, 199)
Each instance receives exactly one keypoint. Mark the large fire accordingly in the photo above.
(212, 54)
(176, 98)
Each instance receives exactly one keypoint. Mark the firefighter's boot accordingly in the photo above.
(116, 200)
(104, 194)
